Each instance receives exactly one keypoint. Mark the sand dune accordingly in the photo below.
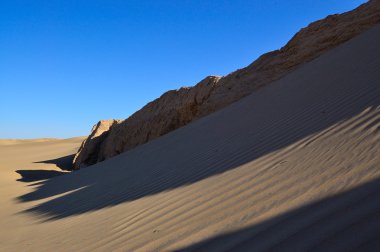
(292, 167)
(177, 108)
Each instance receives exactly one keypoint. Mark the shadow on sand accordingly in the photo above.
(64, 163)
(36, 175)
(349, 221)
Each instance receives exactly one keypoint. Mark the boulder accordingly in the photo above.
(87, 153)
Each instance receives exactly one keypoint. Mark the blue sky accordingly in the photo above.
(66, 64)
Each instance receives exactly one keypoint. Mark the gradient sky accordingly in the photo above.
(66, 64)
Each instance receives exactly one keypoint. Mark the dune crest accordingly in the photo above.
(177, 108)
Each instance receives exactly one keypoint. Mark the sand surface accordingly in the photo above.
(293, 167)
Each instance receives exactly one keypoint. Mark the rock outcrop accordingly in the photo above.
(177, 108)
(87, 152)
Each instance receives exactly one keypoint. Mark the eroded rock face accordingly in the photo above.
(177, 108)
(172, 110)
(88, 151)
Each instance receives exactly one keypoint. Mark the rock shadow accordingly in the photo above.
(36, 175)
(64, 163)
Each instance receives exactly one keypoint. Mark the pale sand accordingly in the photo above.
(293, 167)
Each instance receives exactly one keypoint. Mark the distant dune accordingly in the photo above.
(292, 167)
(18, 141)
(177, 108)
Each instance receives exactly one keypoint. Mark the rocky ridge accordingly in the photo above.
(177, 108)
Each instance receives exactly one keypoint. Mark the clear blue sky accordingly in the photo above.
(66, 64)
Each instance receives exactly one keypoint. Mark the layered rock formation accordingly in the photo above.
(177, 108)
